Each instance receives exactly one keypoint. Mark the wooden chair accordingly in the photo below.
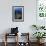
(8, 34)
(27, 43)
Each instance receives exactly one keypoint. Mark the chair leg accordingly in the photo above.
(5, 40)
(17, 39)
(5, 43)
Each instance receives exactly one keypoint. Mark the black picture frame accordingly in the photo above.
(18, 13)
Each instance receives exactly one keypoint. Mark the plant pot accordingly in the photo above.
(40, 41)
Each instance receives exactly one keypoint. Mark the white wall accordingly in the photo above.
(6, 15)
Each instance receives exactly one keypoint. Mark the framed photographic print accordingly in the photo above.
(17, 13)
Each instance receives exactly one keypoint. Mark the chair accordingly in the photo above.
(26, 41)
(14, 32)
(7, 35)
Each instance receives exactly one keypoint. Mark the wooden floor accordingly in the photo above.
(13, 44)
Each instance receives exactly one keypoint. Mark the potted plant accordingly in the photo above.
(38, 27)
(35, 27)
(39, 35)
(42, 27)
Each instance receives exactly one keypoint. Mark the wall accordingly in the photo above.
(6, 15)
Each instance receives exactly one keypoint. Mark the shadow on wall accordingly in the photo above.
(7, 31)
